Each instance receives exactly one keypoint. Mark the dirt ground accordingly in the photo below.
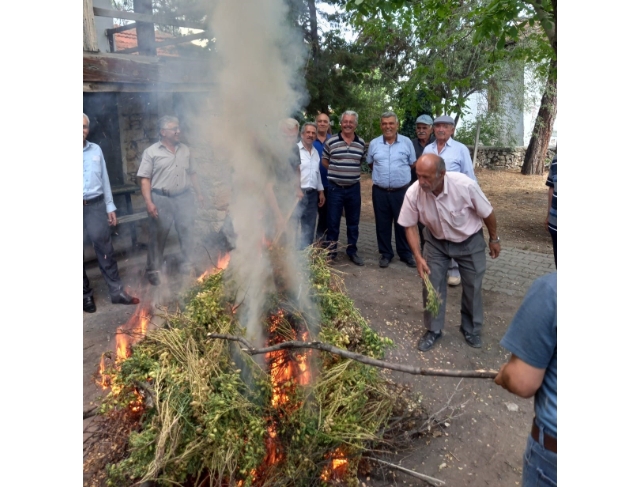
(483, 444)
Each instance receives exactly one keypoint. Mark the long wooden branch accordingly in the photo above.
(473, 374)
(421, 476)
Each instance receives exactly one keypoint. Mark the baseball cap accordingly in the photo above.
(426, 119)
(444, 119)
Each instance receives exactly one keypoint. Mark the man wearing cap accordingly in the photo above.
(452, 207)
(390, 157)
(98, 213)
(458, 159)
(342, 156)
(167, 180)
(531, 370)
(424, 136)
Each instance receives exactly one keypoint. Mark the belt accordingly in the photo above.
(168, 193)
(550, 443)
(92, 200)
(343, 185)
(309, 190)
(391, 190)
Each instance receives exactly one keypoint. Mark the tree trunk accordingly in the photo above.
(313, 28)
(543, 128)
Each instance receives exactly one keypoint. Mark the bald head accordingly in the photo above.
(430, 169)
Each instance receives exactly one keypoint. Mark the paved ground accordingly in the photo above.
(512, 273)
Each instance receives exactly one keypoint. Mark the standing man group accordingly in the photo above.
(98, 213)
(452, 207)
(342, 156)
(168, 181)
(457, 159)
(391, 157)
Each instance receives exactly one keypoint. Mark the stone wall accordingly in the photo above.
(504, 157)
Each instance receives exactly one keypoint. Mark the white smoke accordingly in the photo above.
(258, 82)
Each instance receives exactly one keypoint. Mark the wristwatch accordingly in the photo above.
(497, 240)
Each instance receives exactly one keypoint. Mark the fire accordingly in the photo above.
(337, 467)
(223, 261)
(127, 335)
(221, 264)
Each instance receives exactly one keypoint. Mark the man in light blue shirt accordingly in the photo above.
(457, 159)
(390, 157)
(98, 214)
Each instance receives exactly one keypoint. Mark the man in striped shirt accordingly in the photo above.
(552, 207)
(342, 156)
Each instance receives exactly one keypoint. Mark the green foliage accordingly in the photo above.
(212, 408)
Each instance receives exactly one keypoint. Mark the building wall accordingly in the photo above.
(504, 157)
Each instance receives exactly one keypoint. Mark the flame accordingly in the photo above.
(337, 467)
(104, 378)
(223, 261)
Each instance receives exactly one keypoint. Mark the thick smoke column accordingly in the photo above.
(258, 83)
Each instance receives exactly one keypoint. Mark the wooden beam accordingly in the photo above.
(115, 68)
(89, 37)
(156, 19)
(170, 42)
(122, 28)
(93, 87)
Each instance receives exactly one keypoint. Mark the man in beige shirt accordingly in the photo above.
(452, 207)
(168, 180)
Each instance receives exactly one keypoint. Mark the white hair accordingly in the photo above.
(166, 120)
(350, 113)
(86, 118)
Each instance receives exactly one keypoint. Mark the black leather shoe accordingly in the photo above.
(124, 298)
(384, 262)
(88, 304)
(153, 278)
(355, 258)
(472, 340)
(428, 340)
(410, 261)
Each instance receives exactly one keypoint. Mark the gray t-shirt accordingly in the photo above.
(165, 169)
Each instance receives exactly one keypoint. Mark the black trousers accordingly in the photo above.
(96, 226)
(321, 230)
(554, 240)
(386, 209)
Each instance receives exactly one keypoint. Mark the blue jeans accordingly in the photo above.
(347, 197)
(540, 466)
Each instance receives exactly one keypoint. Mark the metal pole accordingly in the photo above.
(475, 147)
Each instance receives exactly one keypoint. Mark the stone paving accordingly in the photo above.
(512, 273)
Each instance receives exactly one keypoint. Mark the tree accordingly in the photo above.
(504, 22)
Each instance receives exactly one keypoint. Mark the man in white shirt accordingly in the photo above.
(311, 185)
(457, 159)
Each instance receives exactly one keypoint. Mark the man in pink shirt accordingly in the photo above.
(452, 208)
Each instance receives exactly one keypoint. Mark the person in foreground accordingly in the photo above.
(98, 213)
(452, 208)
(533, 370)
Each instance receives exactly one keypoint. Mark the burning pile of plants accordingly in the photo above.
(198, 411)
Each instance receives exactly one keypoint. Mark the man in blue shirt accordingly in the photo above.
(391, 157)
(98, 213)
(533, 369)
(324, 132)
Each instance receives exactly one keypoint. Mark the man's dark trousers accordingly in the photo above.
(386, 209)
(96, 225)
(321, 231)
(347, 197)
(472, 260)
(554, 241)
(181, 210)
(306, 213)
